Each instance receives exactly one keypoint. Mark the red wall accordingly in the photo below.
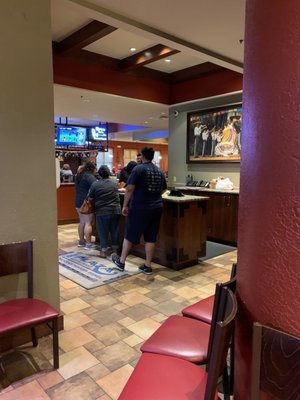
(80, 72)
(75, 72)
(212, 84)
(268, 279)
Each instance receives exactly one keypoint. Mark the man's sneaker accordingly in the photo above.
(80, 244)
(116, 260)
(146, 270)
(90, 246)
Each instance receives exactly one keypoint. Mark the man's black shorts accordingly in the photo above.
(144, 222)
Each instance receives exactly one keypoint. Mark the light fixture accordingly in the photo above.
(132, 49)
(167, 60)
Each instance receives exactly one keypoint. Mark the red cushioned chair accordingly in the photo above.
(203, 309)
(160, 377)
(25, 312)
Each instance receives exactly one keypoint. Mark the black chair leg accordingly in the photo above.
(225, 384)
(231, 369)
(34, 337)
(55, 344)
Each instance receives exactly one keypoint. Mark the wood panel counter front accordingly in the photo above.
(182, 234)
(66, 211)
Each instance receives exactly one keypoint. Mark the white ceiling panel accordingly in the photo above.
(177, 62)
(118, 44)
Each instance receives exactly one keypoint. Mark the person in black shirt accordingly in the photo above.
(144, 191)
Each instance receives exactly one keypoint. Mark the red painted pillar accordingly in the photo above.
(269, 212)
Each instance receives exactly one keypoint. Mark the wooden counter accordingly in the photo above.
(222, 213)
(182, 235)
(66, 212)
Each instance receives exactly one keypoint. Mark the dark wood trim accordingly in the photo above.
(22, 336)
(90, 33)
(147, 56)
(194, 72)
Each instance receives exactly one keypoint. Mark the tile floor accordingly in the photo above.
(104, 329)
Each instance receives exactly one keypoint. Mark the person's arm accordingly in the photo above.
(129, 191)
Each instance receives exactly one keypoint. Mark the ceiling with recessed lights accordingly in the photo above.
(169, 36)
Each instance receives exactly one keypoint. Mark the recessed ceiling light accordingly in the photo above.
(132, 49)
(167, 60)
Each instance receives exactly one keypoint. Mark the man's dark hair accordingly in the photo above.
(104, 171)
(148, 153)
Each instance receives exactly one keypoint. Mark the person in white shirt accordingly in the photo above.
(205, 134)
(197, 133)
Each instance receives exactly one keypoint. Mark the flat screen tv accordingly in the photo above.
(97, 134)
(70, 136)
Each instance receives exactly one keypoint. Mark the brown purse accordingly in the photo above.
(88, 206)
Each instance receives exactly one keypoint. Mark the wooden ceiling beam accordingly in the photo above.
(147, 56)
(93, 31)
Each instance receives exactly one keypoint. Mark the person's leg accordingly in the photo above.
(88, 229)
(103, 231)
(134, 229)
(149, 249)
(127, 246)
(150, 234)
(80, 229)
(114, 231)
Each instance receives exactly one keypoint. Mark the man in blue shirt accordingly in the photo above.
(144, 189)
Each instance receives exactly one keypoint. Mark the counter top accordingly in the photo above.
(235, 190)
(185, 198)
(175, 199)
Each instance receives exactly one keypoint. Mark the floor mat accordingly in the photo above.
(90, 271)
(216, 249)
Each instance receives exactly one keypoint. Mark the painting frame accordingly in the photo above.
(214, 135)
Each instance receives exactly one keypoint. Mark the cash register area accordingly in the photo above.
(104, 329)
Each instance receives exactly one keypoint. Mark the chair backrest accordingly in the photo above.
(233, 270)
(275, 363)
(221, 340)
(16, 258)
(219, 309)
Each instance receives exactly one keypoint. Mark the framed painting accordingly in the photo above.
(214, 135)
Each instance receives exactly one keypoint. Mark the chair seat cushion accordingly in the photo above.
(202, 310)
(19, 313)
(158, 377)
(180, 337)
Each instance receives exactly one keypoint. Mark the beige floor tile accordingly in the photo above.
(133, 340)
(79, 387)
(117, 355)
(120, 306)
(67, 284)
(76, 361)
(112, 333)
(98, 371)
(73, 305)
(144, 328)
(76, 337)
(158, 317)
(186, 292)
(113, 383)
(132, 299)
(126, 321)
(50, 379)
(75, 320)
(29, 391)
